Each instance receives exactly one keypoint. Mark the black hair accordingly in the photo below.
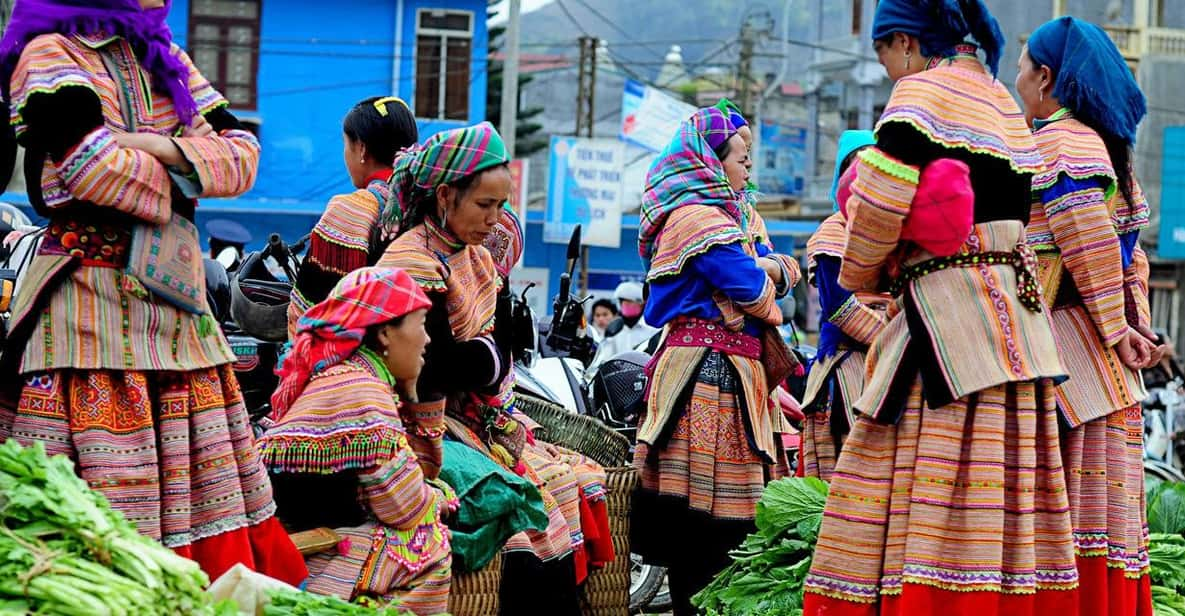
(371, 339)
(850, 158)
(606, 304)
(383, 135)
(723, 149)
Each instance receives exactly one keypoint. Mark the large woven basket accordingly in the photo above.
(607, 590)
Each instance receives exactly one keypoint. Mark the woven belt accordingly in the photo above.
(1022, 259)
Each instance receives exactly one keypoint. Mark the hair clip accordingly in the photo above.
(380, 105)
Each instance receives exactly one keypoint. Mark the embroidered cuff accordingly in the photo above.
(424, 418)
(857, 320)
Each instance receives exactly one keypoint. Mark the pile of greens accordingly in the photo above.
(767, 573)
(63, 550)
(298, 603)
(1166, 548)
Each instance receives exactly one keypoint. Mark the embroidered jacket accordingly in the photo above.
(66, 105)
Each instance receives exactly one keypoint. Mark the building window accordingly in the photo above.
(444, 46)
(224, 44)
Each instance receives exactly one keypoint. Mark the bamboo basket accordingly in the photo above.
(606, 590)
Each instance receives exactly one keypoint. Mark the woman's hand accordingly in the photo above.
(159, 146)
(1159, 347)
(772, 269)
(1134, 350)
(199, 128)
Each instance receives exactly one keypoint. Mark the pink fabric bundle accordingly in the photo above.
(943, 209)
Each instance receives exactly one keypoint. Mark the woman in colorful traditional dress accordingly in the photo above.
(1084, 105)
(448, 198)
(348, 235)
(340, 452)
(121, 134)
(850, 325)
(949, 497)
(706, 446)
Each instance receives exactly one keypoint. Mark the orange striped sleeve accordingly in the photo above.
(1139, 310)
(397, 491)
(1081, 224)
(860, 322)
(881, 195)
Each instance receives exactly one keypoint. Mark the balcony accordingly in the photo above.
(1134, 43)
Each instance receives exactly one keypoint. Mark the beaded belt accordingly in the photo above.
(1022, 259)
(691, 332)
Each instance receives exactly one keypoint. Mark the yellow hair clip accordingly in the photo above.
(381, 104)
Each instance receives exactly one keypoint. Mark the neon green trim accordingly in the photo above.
(889, 165)
(962, 146)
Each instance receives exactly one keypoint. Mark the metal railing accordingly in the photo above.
(1134, 43)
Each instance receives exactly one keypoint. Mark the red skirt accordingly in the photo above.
(1105, 478)
(958, 511)
(173, 452)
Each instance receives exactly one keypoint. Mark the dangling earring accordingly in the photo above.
(908, 59)
(1042, 97)
(386, 353)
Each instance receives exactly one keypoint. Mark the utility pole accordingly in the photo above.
(510, 78)
(585, 117)
(745, 66)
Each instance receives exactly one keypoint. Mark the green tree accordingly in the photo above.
(527, 138)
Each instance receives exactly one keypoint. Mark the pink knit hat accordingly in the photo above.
(943, 208)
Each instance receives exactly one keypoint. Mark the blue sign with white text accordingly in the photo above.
(782, 159)
(1172, 194)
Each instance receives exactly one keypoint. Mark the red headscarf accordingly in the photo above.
(332, 331)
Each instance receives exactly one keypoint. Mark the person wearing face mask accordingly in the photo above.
(706, 443)
(123, 367)
(448, 198)
(949, 497)
(628, 331)
(348, 235)
(1084, 105)
(348, 393)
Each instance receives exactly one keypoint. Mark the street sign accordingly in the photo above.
(782, 159)
(650, 116)
(1172, 194)
(584, 187)
(519, 180)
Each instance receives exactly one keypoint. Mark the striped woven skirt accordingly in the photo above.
(1105, 478)
(700, 482)
(959, 511)
(173, 452)
(828, 406)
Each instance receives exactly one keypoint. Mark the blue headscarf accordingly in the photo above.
(849, 141)
(941, 25)
(1091, 77)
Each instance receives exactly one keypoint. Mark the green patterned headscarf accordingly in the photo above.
(443, 159)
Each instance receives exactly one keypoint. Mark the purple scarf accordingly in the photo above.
(146, 30)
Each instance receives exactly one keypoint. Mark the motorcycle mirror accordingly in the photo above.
(523, 296)
(573, 250)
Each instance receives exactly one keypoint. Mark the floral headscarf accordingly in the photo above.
(331, 331)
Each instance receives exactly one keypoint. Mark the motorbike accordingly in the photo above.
(1164, 416)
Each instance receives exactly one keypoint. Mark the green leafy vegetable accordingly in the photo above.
(768, 569)
(63, 550)
(1166, 508)
(297, 603)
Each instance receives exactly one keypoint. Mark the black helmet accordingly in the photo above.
(217, 290)
(618, 388)
(259, 302)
